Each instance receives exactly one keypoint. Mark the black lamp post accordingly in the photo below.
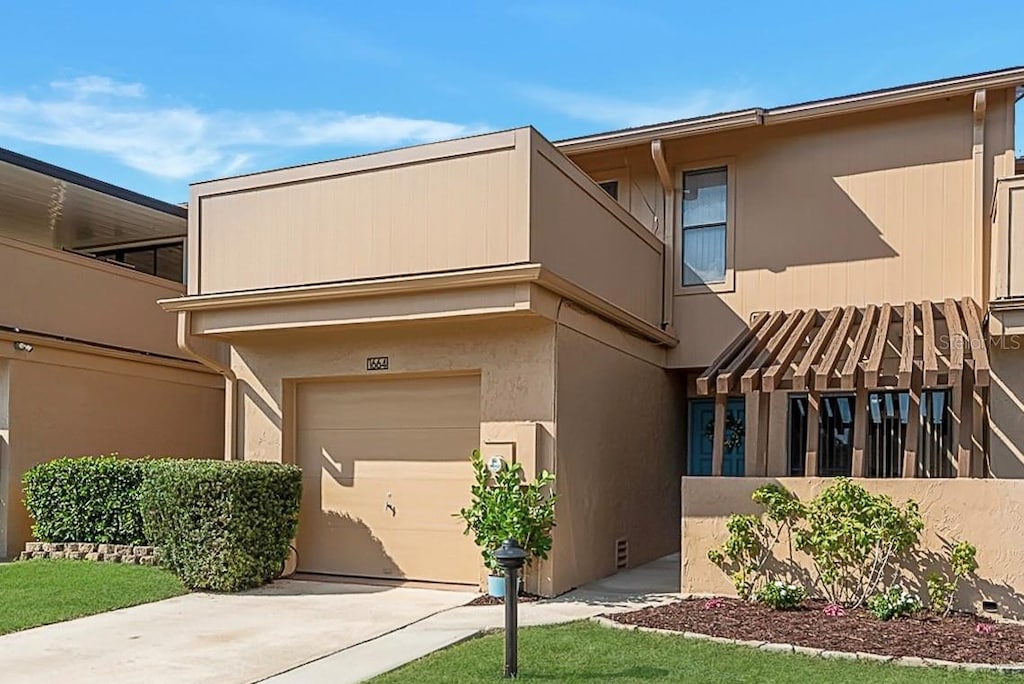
(511, 557)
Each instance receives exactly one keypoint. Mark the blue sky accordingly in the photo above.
(154, 95)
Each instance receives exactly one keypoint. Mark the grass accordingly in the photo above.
(40, 592)
(585, 652)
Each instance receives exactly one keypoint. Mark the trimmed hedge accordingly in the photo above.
(222, 525)
(94, 499)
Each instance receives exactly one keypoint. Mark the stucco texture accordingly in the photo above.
(987, 513)
(73, 404)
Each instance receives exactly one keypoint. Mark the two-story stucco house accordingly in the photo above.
(663, 316)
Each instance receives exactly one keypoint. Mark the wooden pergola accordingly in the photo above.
(908, 347)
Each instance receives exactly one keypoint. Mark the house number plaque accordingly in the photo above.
(376, 363)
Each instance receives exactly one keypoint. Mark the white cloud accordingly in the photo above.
(84, 86)
(98, 114)
(618, 112)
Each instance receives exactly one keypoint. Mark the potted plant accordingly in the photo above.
(506, 506)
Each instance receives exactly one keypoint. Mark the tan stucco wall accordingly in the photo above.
(618, 460)
(63, 403)
(1006, 407)
(987, 513)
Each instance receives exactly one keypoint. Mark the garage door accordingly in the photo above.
(385, 464)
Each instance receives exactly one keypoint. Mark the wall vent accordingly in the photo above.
(621, 553)
(990, 606)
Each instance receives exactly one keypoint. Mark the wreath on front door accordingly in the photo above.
(734, 431)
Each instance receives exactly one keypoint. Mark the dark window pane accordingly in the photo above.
(887, 431)
(835, 436)
(935, 457)
(797, 435)
(611, 187)
(169, 262)
(142, 260)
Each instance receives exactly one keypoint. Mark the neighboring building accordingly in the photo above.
(89, 363)
(817, 276)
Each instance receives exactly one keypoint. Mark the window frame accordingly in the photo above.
(728, 283)
(619, 175)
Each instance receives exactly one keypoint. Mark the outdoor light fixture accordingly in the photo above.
(23, 346)
(512, 557)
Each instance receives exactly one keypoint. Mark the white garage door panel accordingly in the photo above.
(385, 465)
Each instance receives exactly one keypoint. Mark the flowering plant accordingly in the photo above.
(712, 603)
(781, 596)
(984, 628)
(833, 610)
(894, 602)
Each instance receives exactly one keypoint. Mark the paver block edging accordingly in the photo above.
(907, 661)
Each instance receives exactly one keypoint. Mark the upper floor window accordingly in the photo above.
(705, 213)
(611, 187)
(161, 260)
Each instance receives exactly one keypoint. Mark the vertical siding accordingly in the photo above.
(858, 209)
(451, 213)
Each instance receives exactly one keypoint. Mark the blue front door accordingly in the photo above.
(702, 419)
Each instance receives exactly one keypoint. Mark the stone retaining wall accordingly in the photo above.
(107, 553)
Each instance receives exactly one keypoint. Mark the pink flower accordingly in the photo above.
(713, 603)
(833, 610)
(984, 628)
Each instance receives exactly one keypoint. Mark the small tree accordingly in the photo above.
(506, 506)
(941, 588)
(854, 538)
(752, 538)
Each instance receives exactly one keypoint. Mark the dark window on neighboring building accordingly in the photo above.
(163, 261)
(612, 188)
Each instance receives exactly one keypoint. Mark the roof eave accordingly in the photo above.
(678, 129)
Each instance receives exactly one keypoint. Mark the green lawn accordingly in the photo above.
(38, 592)
(585, 652)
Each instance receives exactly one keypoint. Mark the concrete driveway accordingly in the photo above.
(223, 638)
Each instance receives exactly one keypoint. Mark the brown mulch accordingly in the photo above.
(488, 600)
(926, 636)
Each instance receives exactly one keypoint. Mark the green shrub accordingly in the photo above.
(894, 602)
(87, 499)
(752, 539)
(222, 525)
(941, 588)
(781, 595)
(509, 509)
(854, 538)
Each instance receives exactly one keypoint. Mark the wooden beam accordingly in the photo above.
(963, 426)
(823, 372)
(813, 430)
(718, 440)
(979, 423)
(860, 428)
(773, 376)
(874, 364)
(728, 376)
(979, 349)
(727, 355)
(751, 379)
(911, 438)
(803, 370)
(957, 341)
(907, 347)
(848, 376)
(929, 354)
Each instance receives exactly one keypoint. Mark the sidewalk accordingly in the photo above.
(654, 583)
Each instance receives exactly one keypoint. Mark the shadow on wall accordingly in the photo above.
(707, 510)
(336, 543)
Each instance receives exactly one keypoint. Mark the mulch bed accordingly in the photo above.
(488, 600)
(955, 638)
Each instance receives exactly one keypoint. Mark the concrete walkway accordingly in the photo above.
(292, 631)
(223, 638)
(651, 584)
